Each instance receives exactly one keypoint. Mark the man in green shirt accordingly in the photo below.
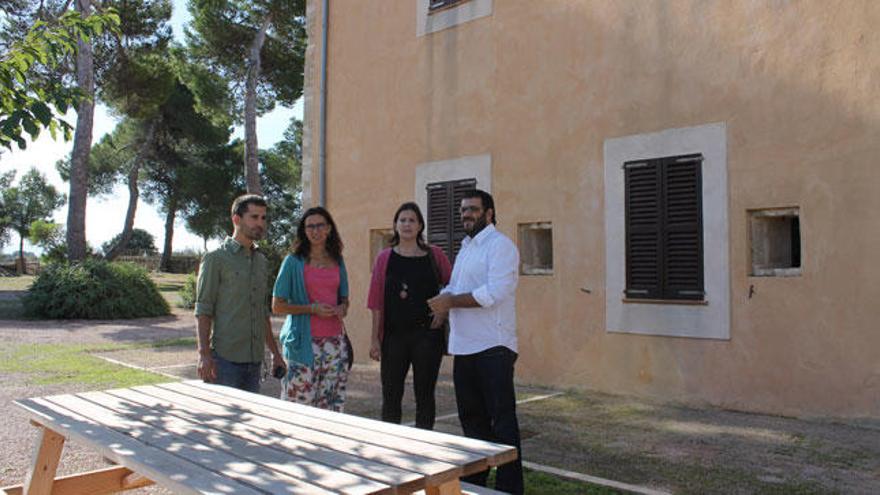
(232, 305)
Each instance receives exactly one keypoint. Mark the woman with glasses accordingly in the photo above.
(312, 290)
(405, 332)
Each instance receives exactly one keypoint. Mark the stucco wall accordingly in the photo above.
(541, 86)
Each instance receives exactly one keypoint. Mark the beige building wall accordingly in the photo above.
(541, 87)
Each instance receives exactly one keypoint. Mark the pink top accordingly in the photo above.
(322, 285)
(376, 297)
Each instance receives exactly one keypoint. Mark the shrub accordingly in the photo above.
(94, 289)
(141, 242)
(188, 292)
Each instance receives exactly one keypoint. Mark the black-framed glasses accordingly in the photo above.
(316, 226)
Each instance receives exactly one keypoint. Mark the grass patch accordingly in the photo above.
(180, 342)
(538, 483)
(48, 364)
(11, 309)
(168, 282)
(22, 282)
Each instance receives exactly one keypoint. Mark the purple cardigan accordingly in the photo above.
(376, 298)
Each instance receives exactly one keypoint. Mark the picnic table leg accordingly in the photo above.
(47, 453)
(451, 487)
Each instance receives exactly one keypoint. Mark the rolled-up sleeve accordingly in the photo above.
(503, 260)
(207, 285)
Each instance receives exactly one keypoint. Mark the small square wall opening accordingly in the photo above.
(776, 242)
(379, 240)
(536, 248)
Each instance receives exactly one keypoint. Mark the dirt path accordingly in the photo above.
(662, 446)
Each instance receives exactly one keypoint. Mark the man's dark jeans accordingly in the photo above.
(487, 409)
(423, 348)
(244, 376)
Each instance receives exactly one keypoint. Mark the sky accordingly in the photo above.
(105, 215)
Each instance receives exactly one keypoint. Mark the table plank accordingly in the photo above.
(494, 453)
(288, 424)
(221, 462)
(297, 466)
(433, 444)
(340, 427)
(292, 442)
(153, 463)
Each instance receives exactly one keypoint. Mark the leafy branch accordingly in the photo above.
(27, 106)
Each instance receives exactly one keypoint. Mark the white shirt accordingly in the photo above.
(487, 267)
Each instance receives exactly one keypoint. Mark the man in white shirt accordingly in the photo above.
(481, 303)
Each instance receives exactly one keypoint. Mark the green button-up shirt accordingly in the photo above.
(233, 290)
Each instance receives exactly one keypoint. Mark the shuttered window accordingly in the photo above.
(664, 228)
(444, 221)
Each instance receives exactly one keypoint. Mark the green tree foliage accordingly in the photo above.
(282, 172)
(5, 218)
(183, 138)
(111, 64)
(218, 179)
(94, 289)
(187, 292)
(108, 159)
(49, 236)
(30, 104)
(258, 47)
(141, 242)
(32, 199)
(210, 186)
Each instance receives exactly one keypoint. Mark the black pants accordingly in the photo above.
(423, 349)
(487, 409)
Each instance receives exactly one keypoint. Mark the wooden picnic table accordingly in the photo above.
(192, 437)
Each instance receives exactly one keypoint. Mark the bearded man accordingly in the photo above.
(481, 303)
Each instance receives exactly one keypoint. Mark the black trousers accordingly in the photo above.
(487, 409)
(423, 349)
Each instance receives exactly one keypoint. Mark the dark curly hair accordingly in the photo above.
(301, 245)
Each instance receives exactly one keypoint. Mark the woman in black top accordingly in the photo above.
(405, 333)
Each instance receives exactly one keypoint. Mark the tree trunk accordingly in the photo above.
(133, 194)
(251, 161)
(21, 269)
(128, 225)
(169, 234)
(82, 145)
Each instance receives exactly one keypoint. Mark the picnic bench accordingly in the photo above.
(192, 437)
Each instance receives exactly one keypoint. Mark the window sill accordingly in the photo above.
(775, 272)
(536, 271)
(680, 302)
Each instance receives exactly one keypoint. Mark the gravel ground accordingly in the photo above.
(17, 435)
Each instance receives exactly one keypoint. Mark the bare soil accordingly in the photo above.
(661, 446)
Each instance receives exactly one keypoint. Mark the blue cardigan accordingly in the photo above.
(296, 334)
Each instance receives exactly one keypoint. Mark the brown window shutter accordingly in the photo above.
(683, 228)
(444, 222)
(664, 228)
(458, 190)
(439, 208)
(643, 229)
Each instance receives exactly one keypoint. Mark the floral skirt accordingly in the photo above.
(322, 384)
